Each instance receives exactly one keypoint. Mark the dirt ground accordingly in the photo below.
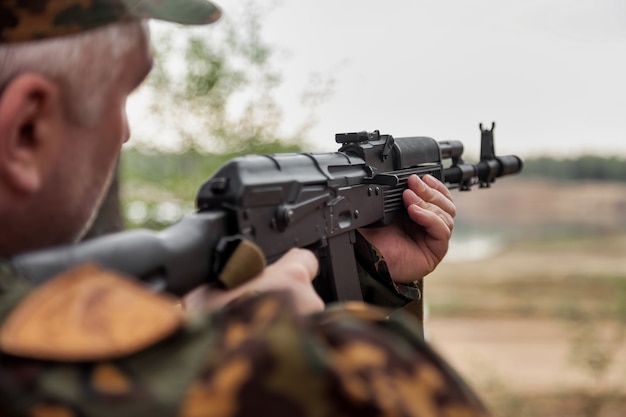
(518, 201)
(527, 356)
(533, 303)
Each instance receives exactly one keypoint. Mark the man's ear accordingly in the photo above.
(31, 123)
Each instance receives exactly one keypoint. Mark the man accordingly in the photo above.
(91, 343)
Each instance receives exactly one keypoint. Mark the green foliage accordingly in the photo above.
(588, 167)
(216, 88)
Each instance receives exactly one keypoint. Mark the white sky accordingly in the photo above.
(550, 73)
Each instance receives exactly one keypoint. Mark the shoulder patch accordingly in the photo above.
(87, 314)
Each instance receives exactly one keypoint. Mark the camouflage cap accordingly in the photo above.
(22, 20)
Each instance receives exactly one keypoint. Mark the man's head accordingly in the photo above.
(66, 70)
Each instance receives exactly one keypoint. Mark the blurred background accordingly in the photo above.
(530, 303)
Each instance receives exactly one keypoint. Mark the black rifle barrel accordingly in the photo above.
(484, 172)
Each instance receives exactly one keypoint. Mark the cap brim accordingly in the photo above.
(187, 12)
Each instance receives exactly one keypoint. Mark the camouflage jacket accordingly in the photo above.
(90, 343)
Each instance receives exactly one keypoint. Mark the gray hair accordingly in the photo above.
(84, 65)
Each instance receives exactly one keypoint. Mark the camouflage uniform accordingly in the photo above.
(254, 357)
(91, 343)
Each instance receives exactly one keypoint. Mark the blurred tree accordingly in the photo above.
(221, 98)
(213, 92)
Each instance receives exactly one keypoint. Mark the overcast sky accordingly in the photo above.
(550, 73)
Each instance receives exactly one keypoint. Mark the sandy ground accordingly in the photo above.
(523, 355)
(506, 308)
(507, 330)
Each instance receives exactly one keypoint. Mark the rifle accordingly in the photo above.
(280, 201)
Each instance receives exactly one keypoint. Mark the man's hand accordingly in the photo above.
(293, 273)
(413, 245)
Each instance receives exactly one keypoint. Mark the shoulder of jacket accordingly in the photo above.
(88, 313)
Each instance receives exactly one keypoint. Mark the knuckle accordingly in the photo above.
(299, 272)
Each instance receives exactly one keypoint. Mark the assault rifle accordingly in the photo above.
(311, 200)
